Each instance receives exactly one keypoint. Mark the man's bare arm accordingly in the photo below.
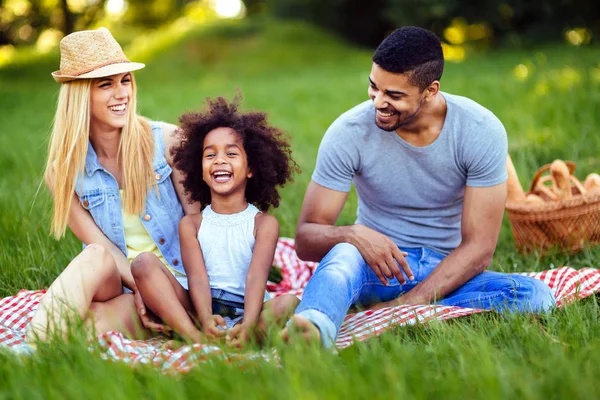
(483, 209)
(316, 234)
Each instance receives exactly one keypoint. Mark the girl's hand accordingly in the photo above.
(238, 336)
(211, 327)
(147, 321)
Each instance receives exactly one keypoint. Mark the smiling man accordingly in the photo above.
(430, 172)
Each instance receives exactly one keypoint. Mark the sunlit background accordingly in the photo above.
(28, 28)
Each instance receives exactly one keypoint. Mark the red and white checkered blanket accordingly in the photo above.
(567, 285)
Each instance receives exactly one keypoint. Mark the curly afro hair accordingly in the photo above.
(414, 51)
(268, 151)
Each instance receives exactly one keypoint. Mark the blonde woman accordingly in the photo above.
(109, 171)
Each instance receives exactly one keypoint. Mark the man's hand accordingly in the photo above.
(238, 336)
(147, 321)
(382, 255)
(211, 326)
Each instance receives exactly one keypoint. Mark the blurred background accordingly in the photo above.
(38, 25)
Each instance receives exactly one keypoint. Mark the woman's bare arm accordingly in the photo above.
(173, 140)
(193, 262)
(85, 229)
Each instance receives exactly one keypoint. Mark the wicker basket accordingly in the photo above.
(566, 225)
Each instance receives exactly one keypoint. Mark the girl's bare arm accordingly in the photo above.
(267, 234)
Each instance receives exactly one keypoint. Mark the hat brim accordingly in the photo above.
(108, 70)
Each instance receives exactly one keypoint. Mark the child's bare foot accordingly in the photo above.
(301, 329)
(172, 345)
(180, 341)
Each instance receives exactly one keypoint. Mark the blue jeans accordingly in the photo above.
(228, 305)
(343, 279)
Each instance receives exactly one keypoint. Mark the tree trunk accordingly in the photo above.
(68, 18)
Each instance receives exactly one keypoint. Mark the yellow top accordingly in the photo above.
(138, 240)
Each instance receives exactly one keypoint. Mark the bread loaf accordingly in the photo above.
(592, 183)
(561, 179)
(533, 199)
(515, 190)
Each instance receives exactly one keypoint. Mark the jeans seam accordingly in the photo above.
(514, 290)
(354, 295)
(493, 296)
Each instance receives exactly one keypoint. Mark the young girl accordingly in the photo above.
(232, 163)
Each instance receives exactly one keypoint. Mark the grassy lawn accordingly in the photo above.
(304, 80)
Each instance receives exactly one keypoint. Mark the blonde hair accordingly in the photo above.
(68, 149)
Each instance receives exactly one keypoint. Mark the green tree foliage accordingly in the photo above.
(360, 21)
(515, 21)
(531, 20)
(153, 13)
(22, 21)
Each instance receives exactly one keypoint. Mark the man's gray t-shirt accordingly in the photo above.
(414, 195)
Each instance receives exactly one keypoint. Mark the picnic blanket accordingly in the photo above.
(16, 312)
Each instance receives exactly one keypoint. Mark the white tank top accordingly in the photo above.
(227, 243)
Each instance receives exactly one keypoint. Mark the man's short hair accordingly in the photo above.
(414, 51)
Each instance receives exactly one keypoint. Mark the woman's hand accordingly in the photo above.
(211, 327)
(147, 321)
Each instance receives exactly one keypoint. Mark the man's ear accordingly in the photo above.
(250, 174)
(432, 90)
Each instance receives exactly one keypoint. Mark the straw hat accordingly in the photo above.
(92, 54)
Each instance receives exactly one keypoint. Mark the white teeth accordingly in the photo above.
(120, 107)
(222, 176)
(383, 114)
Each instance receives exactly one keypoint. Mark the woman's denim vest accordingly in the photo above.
(99, 194)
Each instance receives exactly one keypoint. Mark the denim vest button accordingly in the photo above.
(158, 176)
(176, 262)
(161, 241)
(147, 217)
(86, 203)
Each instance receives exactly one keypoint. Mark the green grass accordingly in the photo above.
(304, 79)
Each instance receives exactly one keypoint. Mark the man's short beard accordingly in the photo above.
(399, 122)
(388, 128)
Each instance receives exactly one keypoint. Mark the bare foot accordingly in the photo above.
(301, 329)
(172, 345)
